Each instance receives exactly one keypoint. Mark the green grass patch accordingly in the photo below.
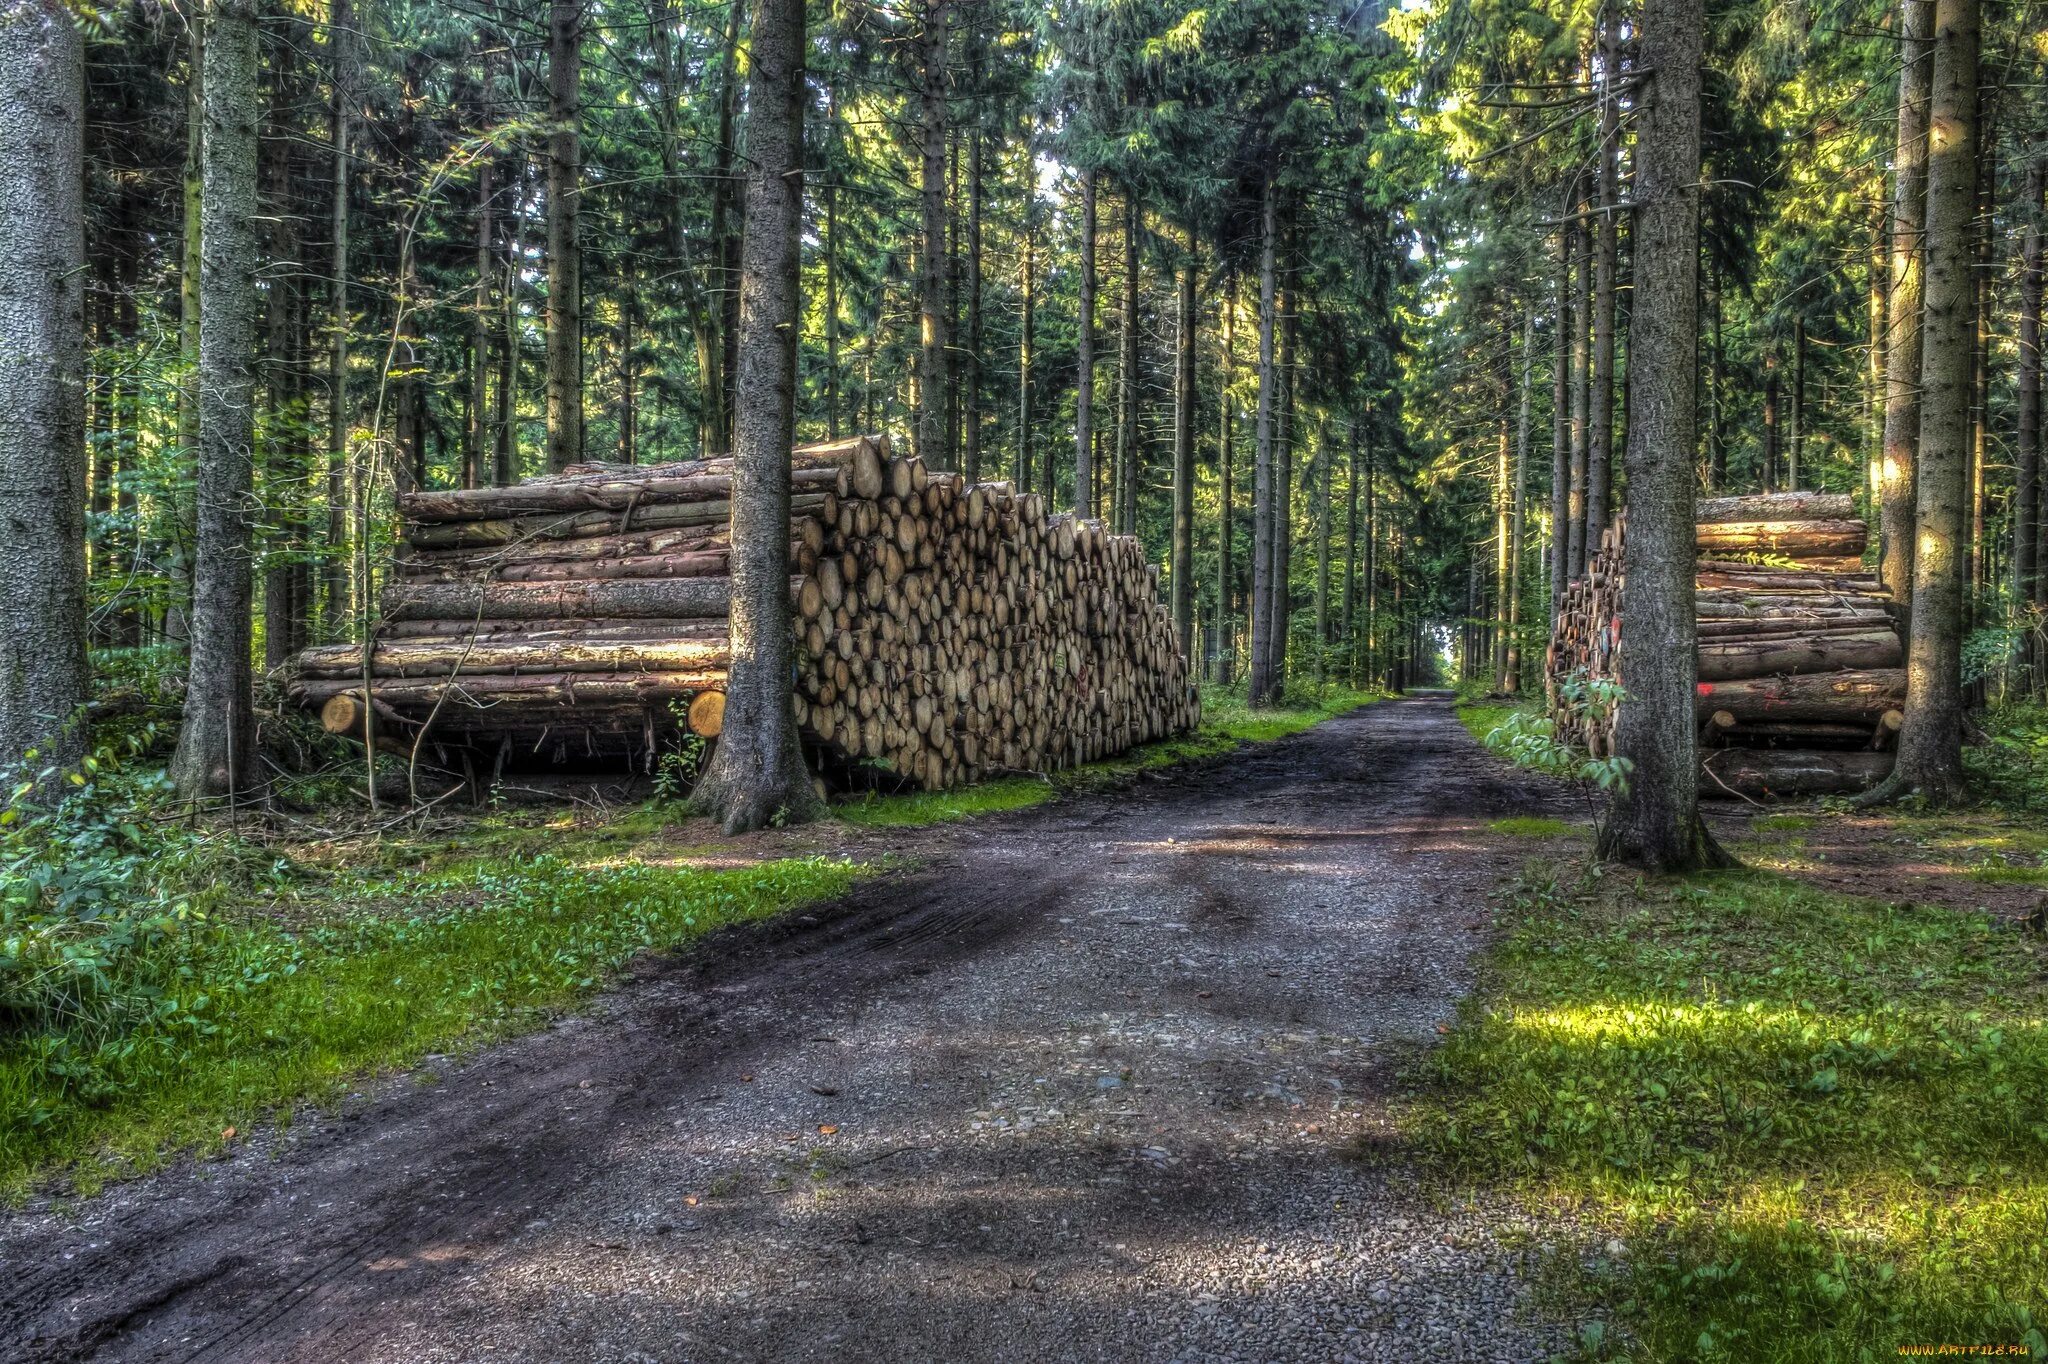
(240, 1022)
(1482, 718)
(1226, 722)
(1819, 1125)
(1994, 874)
(1782, 824)
(1530, 826)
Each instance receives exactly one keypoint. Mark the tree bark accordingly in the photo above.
(2030, 529)
(1226, 477)
(1653, 821)
(757, 775)
(342, 74)
(1027, 270)
(1561, 425)
(1184, 461)
(1600, 436)
(1511, 679)
(1897, 510)
(475, 436)
(565, 247)
(1084, 385)
(214, 757)
(970, 379)
(933, 356)
(1581, 380)
(44, 679)
(1122, 509)
(1260, 686)
(1930, 745)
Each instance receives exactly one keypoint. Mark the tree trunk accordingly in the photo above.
(475, 438)
(1184, 461)
(931, 249)
(757, 775)
(1797, 445)
(1027, 269)
(1520, 513)
(42, 388)
(1581, 396)
(1261, 689)
(215, 756)
(1226, 476)
(1771, 447)
(341, 60)
(1984, 229)
(970, 379)
(1930, 745)
(1600, 437)
(505, 455)
(1282, 581)
(1084, 387)
(1717, 431)
(1561, 425)
(2027, 516)
(1349, 605)
(1908, 279)
(565, 247)
(1125, 478)
(1877, 294)
(1653, 821)
(715, 348)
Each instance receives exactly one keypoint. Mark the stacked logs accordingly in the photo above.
(1800, 659)
(944, 631)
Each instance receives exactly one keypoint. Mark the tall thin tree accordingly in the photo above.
(1908, 279)
(42, 383)
(215, 756)
(1653, 821)
(757, 775)
(1930, 758)
(565, 240)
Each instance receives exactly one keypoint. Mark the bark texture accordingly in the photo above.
(565, 249)
(1930, 745)
(43, 676)
(933, 315)
(1084, 391)
(1654, 822)
(213, 757)
(1908, 280)
(1184, 462)
(1262, 685)
(757, 775)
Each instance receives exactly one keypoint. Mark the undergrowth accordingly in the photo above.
(163, 983)
(1227, 721)
(1817, 1126)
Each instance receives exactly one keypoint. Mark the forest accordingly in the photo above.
(496, 496)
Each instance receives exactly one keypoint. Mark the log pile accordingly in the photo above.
(944, 631)
(1801, 676)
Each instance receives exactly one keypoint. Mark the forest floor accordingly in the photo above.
(1113, 1078)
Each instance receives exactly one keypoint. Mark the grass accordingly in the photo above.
(247, 1020)
(1818, 1125)
(1530, 826)
(1226, 723)
(1483, 717)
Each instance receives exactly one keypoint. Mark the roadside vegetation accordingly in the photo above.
(1786, 1125)
(165, 986)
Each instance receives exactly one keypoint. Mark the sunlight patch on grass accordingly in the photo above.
(452, 959)
(1482, 718)
(1771, 824)
(1817, 1123)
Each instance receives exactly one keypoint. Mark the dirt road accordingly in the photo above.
(1101, 1081)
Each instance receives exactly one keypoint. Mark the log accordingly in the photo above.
(512, 530)
(1763, 773)
(671, 598)
(511, 654)
(676, 541)
(515, 691)
(585, 629)
(1794, 506)
(1756, 578)
(1785, 539)
(707, 714)
(1831, 651)
(606, 495)
(1860, 696)
(1792, 623)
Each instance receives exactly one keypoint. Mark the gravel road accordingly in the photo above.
(1105, 1080)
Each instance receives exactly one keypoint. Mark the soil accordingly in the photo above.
(1109, 1079)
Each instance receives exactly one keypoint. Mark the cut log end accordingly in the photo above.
(707, 714)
